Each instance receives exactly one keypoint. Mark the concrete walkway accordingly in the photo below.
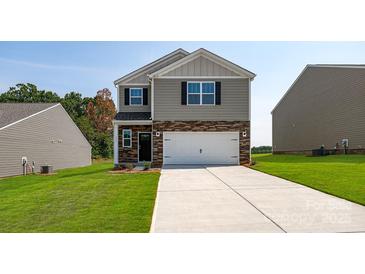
(239, 199)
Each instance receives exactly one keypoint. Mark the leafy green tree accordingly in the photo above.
(72, 103)
(75, 105)
(86, 128)
(28, 93)
(103, 145)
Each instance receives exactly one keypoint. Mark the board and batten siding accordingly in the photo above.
(33, 137)
(323, 107)
(142, 78)
(201, 66)
(130, 108)
(234, 101)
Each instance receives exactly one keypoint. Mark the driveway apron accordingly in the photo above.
(239, 199)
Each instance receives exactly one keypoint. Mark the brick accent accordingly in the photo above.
(131, 154)
(208, 126)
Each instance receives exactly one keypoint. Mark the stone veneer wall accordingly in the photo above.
(208, 126)
(131, 154)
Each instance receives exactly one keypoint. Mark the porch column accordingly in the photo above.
(116, 145)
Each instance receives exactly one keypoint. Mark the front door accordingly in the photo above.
(144, 147)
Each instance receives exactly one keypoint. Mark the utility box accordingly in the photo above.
(46, 169)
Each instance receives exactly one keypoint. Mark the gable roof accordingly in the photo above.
(11, 113)
(209, 55)
(323, 66)
(143, 69)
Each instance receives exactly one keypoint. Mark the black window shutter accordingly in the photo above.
(217, 93)
(126, 96)
(145, 96)
(183, 92)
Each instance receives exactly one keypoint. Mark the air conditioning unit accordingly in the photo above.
(47, 169)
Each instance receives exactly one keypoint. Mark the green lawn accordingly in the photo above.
(87, 199)
(339, 175)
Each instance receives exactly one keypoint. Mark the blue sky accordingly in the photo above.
(88, 66)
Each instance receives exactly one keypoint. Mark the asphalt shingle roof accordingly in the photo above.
(133, 116)
(12, 112)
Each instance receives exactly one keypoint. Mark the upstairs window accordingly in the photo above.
(136, 97)
(201, 93)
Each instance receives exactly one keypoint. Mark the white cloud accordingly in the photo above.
(46, 66)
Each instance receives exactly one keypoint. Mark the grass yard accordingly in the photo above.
(87, 199)
(339, 175)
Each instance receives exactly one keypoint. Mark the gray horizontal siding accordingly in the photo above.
(234, 102)
(201, 66)
(129, 108)
(32, 138)
(324, 106)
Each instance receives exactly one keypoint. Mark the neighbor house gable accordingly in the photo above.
(308, 68)
(202, 63)
(21, 112)
(13, 113)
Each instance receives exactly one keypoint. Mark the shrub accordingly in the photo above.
(147, 165)
(129, 166)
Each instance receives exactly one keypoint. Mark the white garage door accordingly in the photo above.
(201, 147)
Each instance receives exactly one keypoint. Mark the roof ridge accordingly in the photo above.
(336, 65)
(208, 54)
(9, 117)
(166, 56)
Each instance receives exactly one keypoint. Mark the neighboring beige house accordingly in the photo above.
(42, 133)
(184, 108)
(324, 106)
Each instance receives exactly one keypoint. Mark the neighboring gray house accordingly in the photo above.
(43, 133)
(324, 106)
(184, 108)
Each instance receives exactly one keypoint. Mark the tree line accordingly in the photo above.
(93, 115)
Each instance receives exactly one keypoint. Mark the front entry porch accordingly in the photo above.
(132, 143)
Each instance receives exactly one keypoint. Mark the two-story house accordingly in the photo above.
(184, 108)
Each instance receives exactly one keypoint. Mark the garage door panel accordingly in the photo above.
(201, 147)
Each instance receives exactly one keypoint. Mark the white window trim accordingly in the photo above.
(201, 93)
(130, 97)
(130, 138)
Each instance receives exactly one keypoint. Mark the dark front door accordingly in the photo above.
(144, 147)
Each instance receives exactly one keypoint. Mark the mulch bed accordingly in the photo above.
(46, 174)
(128, 171)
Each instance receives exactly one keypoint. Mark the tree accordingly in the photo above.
(102, 111)
(75, 105)
(28, 93)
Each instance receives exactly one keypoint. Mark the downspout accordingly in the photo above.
(249, 111)
(116, 134)
(151, 81)
(117, 86)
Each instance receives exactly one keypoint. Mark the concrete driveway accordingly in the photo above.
(239, 199)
